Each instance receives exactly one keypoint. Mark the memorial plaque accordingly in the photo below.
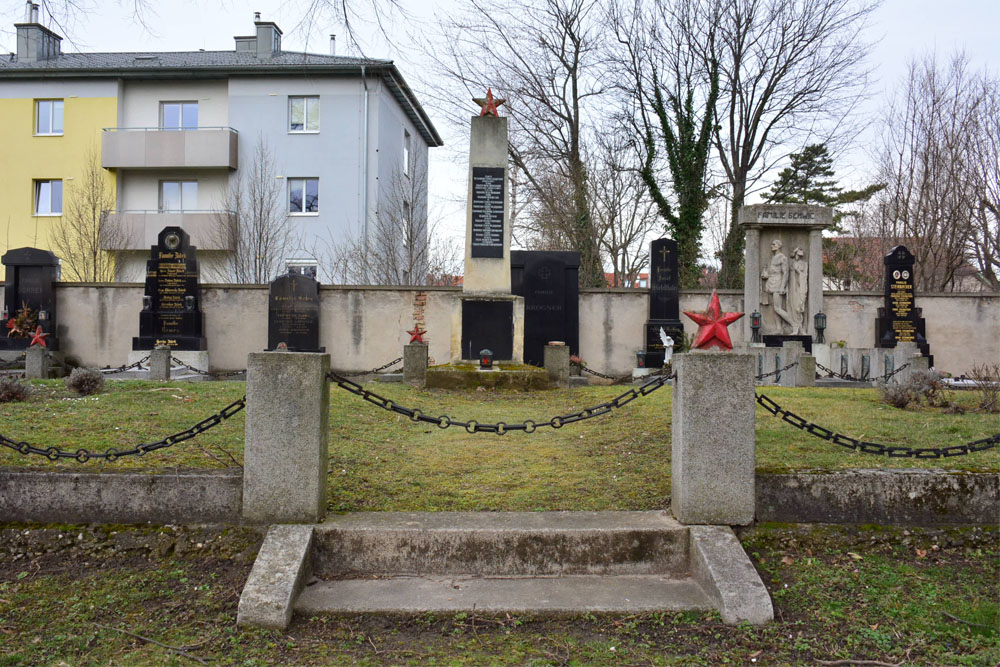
(171, 313)
(488, 202)
(30, 274)
(293, 313)
(899, 320)
(488, 325)
(549, 283)
(664, 300)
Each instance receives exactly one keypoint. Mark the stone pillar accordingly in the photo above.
(906, 353)
(751, 287)
(791, 352)
(815, 299)
(712, 461)
(285, 458)
(159, 364)
(415, 363)
(556, 359)
(36, 363)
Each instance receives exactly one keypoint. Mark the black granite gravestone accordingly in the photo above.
(171, 312)
(487, 325)
(549, 282)
(30, 274)
(899, 320)
(293, 313)
(487, 206)
(664, 301)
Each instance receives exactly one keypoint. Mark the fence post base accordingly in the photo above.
(415, 364)
(159, 365)
(36, 363)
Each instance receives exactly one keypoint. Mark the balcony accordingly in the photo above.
(137, 230)
(162, 148)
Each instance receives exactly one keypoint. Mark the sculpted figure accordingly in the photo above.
(798, 288)
(774, 291)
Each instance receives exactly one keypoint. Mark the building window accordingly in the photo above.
(303, 195)
(406, 153)
(303, 114)
(48, 197)
(179, 115)
(178, 196)
(302, 267)
(49, 117)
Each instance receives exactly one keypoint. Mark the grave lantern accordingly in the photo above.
(486, 360)
(640, 359)
(755, 326)
(819, 321)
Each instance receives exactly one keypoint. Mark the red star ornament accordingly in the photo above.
(489, 104)
(713, 326)
(416, 334)
(38, 338)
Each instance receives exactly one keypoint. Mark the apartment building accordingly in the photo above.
(175, 131)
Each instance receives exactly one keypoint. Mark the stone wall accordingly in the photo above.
(364, 327)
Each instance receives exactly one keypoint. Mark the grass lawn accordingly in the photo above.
(103, 595)
(381, 461)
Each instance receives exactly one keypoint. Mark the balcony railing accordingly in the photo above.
(163, 147)
(138, 229)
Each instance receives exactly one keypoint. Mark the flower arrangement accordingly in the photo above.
(23, 324)
(575, 360)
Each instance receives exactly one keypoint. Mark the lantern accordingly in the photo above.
(486, 360)
(755, 326)
(819, 321)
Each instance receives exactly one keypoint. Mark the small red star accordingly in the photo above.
(38, 338)
(416, 335)
(489, 104)
(713, 326)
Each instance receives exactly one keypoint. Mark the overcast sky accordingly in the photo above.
(905, 28)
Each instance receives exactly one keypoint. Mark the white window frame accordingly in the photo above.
(163, 103)
(297, 265)
(181, 182)
(407, 141)
(305, 114)
(37, 194)
(62, 113)
(303, 180)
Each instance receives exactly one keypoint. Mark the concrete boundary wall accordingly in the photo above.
(889, 497)
(365, 327)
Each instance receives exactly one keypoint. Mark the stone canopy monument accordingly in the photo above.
(488, 315)
(783, 278)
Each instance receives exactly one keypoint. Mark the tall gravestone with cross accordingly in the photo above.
(488, 316)
(664, 301)
(293, 313)
(899, 320)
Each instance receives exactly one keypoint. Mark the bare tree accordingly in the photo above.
(87, 234)
(984, 241)
(542, 57)
(929, 158)
(253, 223)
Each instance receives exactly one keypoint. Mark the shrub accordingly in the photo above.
(85, 381)
(896, 394)
(919, 386)
(987, 379)
(12, 389)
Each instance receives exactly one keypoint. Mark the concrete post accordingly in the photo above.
(712, 462)
(36, 363)
(791, 352)
(159, 365)
(415, 364)
(906, 353)
(804, 375)
(556, 360)
(286, 456)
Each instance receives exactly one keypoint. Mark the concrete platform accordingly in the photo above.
(523, 562)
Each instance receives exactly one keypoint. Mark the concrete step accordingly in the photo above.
(516, 594)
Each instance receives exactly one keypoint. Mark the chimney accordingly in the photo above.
(268, 38)
(333, 45)
(35, 42)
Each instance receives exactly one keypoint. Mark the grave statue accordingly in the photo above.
(798, 290)
(774, 290)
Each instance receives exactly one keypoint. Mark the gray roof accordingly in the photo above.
(203, 64)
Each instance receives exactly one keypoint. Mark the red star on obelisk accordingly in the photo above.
(416, 335)
(489, 104)
(713, 326)
(38, 338)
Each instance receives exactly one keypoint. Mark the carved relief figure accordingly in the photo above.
(798, 289)
(774, 292)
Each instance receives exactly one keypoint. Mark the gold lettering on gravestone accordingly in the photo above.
(293, 318)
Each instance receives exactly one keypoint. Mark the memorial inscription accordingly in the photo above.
(293, 313)
(488, 200)
(171, 314)
(899, 319)
(664, 301)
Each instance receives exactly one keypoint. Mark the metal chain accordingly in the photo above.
(873, 447)
(83, 455)
(372, 371)
(500, 428)
(778, 371)
(122, 369)
(850, 378)
(13, 362)
(214, 374)
(600, 375)
(887, 376)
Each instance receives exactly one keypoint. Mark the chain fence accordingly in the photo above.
(850, 378)
(125, 367)
(82, 455)
(499, 428)
(14, 362)
(777, 372)
(874, 447)
(372, 371)
(214, 374)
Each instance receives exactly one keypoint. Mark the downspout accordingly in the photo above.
(364, 166)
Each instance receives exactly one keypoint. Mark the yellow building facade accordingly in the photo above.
(37, 155)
